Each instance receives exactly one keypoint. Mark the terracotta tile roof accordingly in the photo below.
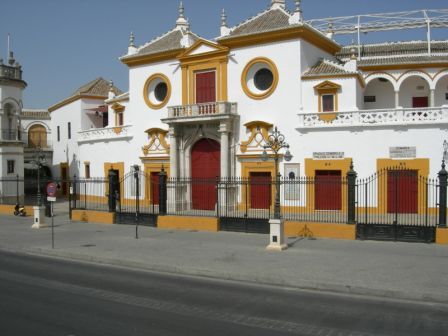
(403, 60)
(326, 67)
(268, 20)
(97, 87)
(396, 48)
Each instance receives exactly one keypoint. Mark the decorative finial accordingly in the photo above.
(11, 59)
(296, 17)
(111, 85)
(298, 5)
(131, 40)
(278, 4)
(181, 10)
(223, 18)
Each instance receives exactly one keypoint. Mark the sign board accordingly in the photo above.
(51, 189)
(71, 190)
(328, 155)
(403, 152)
(51, 199)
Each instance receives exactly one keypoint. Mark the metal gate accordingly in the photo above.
(136, 199)
(397, 205)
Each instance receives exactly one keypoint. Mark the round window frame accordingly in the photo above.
(151, 104)
(271, 66)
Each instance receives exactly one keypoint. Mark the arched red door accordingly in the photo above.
(205, 167)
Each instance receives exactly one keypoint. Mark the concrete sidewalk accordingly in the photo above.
(398, 270)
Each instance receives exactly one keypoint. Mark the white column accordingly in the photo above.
(223, 129)
(432, 97)
(397, 99)
(173, 152)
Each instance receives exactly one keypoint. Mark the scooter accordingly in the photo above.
(19, 210)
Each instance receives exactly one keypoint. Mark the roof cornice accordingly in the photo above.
(150, 58)
(72, 99)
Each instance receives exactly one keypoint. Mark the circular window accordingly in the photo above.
(157, 91)
(260, 78)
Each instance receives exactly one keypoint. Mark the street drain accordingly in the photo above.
(88, 245)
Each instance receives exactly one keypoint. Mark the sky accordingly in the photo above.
(63, 44)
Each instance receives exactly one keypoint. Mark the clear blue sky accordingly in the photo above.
(63, 44)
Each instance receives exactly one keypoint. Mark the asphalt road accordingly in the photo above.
(43, 296)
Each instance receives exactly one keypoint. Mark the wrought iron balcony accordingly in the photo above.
(11, 135)
(10, 72)
(202, 110)
(105, 134)
(372, 118)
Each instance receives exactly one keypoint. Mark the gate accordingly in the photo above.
(397, 205)
(137, 199)
(239, 210)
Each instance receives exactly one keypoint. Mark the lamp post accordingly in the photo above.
(39, 159)
(445, 150)
(276, 142)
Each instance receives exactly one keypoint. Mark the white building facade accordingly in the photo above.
(203, 109)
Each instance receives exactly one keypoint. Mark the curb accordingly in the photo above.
(255, 279)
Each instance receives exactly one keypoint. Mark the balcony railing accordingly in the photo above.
(202, 110)
(11, 135)
(11, 72)
(106, 133)
(372, 118)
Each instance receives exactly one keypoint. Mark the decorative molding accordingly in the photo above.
(259, 132)
(158, 144)
(152, 105)
(268, 92)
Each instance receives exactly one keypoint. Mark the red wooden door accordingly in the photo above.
(260, 190)
(419, 102)
(154, 180)
(205, 87)
(328, 190)
(402, 191)
(205, 167)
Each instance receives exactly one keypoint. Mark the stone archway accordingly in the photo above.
(415, 92)
(379, 94)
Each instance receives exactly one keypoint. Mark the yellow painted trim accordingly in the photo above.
(320, 230)
(151, 58)
(254, 127)
(6, 209)
(186, 55)
(328, 88)
(155, 134)
(311, 165)
(100, 217)
(442, 236)
(185, 90)
(115, 166)
(72, 99)
(153, 168)
(117, 107)
(274, 70)
(148, 102)
(357, 76)
(402, 66)
(308, 34)
(188, 223)
(422, 167)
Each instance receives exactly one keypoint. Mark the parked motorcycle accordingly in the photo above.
(19, 210)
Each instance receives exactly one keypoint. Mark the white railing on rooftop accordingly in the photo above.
(106, 133)
(368, 118)
(202, 110)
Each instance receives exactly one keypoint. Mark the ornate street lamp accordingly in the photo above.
(276, 142)
(39, 159)
(445, 150)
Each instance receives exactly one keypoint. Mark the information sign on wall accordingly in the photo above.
(328, 155)
(403, 152)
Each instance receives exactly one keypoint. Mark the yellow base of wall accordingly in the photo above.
(188, 223)
(9, 210)
(442, 236)
(93, 216)
(320, 230)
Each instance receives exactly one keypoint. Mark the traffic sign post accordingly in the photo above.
(51, 192)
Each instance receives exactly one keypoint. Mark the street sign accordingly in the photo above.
(51, 189)
(51, 199)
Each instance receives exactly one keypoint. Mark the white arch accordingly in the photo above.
(17, 106)
(385, 75)
(414, 73)
(41, 123)
(438, 77)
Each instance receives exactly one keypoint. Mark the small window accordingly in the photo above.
(161, 91)
(59, 133)
(87, 170)
(69, 130)
(105, 119)
(11, 166)
(369, 99)
(263, 79)
(446, 96)
(120, 119)
(327, 103)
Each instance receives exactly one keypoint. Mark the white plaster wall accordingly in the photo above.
(310, 55)
(441, 91)
(11, 153)
(384, 93)
(364, 147)
(66, 150)
(409, 89)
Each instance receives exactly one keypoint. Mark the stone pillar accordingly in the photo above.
(173, 153)
(432, 94)
(397, 99)
(224, 130)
